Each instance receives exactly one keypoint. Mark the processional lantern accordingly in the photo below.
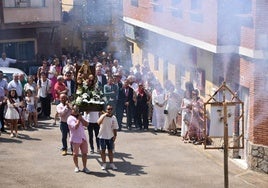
(224, 123)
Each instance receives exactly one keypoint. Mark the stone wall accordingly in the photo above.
(258, 158)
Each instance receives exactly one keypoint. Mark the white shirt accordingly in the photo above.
(6, 62)
(52, 71)
(107, 127)
(17, 85)
(44, 89)
(29, 100)
(91, 117)
(99, 78)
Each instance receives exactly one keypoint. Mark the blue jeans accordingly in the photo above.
(64, 133)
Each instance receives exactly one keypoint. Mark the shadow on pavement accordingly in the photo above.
(125, 166)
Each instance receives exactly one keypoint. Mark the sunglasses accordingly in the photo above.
(109, 109)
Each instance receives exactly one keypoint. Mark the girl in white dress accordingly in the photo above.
(13, 114)
(31, 108)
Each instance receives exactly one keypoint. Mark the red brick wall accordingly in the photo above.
(260, 105)
(205, 30)
(254, 79)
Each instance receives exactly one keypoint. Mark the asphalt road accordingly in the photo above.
(144, 159)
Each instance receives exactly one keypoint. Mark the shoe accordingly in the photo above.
(4, 131)
(91, 151)
(16, 135)
(112, 166)
(86, 170)
(11, 135)
(76, 169)
(103, 167)
(64, 152)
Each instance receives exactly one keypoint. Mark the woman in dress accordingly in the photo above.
(54, 71)
(13, 112)
(158, 102)
(172, 111)
(186, 101)
(197, 120)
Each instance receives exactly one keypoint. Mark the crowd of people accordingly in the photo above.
(131, 92)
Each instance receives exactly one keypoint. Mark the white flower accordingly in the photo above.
(79, 91)
(85, 95)
(79, 99)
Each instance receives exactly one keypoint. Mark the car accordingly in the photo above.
(8, 72)
(8, 75)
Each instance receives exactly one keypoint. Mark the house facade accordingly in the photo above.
(208, 42)
(29, 29)
(94, 27)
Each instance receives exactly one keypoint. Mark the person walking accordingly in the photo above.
(92, 117)
(107, 135)
(64, 111)
(78, 139)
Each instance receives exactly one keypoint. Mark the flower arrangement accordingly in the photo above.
(89, 98)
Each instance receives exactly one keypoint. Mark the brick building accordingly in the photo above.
(208, 42)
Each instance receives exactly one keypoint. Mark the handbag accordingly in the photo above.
(165, 111)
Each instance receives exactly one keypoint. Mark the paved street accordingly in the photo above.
(144, 159)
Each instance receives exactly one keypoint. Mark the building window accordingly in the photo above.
(177, 13)
(157, 7)
(174, 2)
(176, 9)
(244, 13)
(196, 4)
(99, 13)
(196, 13)
(24, 3)
(19, 50)
(135, 3)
